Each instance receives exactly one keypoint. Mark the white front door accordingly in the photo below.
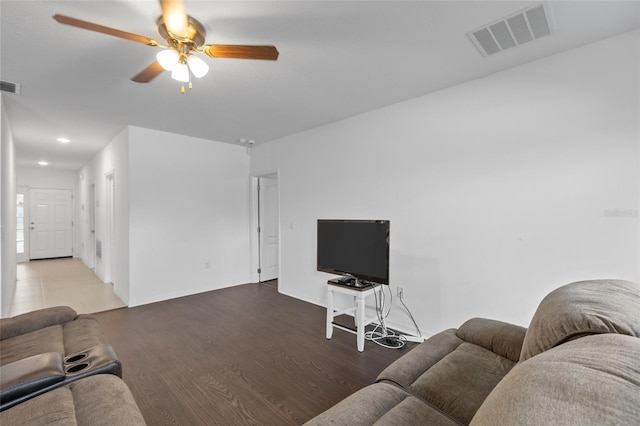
(269, 229)
(50, 223)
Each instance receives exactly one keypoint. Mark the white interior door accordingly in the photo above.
(91, 217)
(269, 228)
(50, 223)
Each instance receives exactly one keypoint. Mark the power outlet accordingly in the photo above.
(400, 292)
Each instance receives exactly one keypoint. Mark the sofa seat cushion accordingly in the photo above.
(581, 309)
(456, 375)
(459, 383)
(102, 400)
(72, 337)
(48, 339)
(593, 380)
(408, 368)
(382, 404)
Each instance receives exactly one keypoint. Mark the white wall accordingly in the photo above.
(189, 215)
(182, 214)
(498, 190)
(7, 216)
(45, 177)
(114, 158)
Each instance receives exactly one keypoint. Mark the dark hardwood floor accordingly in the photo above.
(236, 356)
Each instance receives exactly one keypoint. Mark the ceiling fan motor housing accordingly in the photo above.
(194, 40)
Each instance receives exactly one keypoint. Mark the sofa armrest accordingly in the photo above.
(499, 337)
(32, 321)
(29, 376)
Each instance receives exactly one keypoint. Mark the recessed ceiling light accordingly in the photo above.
(43, 163)
(63, 140)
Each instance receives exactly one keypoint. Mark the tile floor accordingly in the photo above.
(67, 281)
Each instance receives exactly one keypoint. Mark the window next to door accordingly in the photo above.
(20, 224)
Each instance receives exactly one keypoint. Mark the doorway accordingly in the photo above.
(108, 245)
(50, 223)
(266, 218)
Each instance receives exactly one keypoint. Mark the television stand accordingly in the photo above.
(358, 310)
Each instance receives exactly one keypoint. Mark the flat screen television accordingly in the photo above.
(358, 249)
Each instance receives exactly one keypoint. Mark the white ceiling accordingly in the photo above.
(337, 59)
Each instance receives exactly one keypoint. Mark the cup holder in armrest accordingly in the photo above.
(100, 359)
(76, 368)
(76, 363)
(75, 358)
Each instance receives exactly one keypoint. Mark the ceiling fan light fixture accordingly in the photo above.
(184, 36)
(181, 73)
(169, 59)
(198, 67)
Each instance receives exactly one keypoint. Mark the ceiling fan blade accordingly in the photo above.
(241, 51)
(175, 17)
(149, 73)
(67, 20)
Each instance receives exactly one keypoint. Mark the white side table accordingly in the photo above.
(357, 310)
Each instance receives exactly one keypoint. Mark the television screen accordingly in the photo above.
(355, 248)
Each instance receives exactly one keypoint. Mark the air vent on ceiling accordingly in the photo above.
(529, 24)
(7, 86)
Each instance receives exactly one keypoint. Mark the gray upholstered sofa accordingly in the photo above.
(578, 363)
(55, 367)
(58, 329)
(99, 400)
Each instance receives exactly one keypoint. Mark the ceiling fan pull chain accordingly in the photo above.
(190, 85)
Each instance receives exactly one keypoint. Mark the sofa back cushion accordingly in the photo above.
(580, 309)
(35, 320)
(594, 380)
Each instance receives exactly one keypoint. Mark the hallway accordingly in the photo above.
(66, 281)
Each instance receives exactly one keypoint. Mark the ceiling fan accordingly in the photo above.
(185, 38)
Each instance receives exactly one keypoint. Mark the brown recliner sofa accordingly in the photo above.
(578, 363)
(55, 367)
